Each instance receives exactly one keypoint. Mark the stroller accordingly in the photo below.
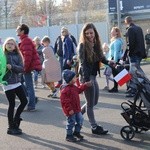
(137, 113)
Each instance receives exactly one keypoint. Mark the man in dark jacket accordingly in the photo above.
(147, 41)
(31, 62)
(64, 48)
(136, 49)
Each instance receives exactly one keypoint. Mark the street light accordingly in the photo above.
(118, 14)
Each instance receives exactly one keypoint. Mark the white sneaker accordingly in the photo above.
(54, 95)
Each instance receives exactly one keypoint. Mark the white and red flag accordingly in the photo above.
(123, 77)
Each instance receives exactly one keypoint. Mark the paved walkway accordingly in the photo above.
(45, 128)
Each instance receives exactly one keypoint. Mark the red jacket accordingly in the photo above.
(70, 99)
(30, 55)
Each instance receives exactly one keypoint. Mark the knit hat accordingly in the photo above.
(68, 75)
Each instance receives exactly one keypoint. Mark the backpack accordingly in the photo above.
(74, 44)
(58, 47)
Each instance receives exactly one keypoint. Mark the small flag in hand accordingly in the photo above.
(123, 77)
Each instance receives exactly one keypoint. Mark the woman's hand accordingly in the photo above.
(112, 63)
(89, 83)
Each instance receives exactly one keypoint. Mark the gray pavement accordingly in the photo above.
(45, 128)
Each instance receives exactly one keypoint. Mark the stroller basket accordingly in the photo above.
(135, 116)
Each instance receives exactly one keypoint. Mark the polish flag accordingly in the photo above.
(123, 77)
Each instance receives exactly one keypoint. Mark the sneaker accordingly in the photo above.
(99, 130)
(113, 90)
(57, 85)
(36, 100)
(71, 138)
(54, 95)
(78, 135)
(50, 95)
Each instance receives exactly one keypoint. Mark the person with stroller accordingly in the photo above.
(136, 51)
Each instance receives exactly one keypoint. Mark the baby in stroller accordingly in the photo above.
(137, 113)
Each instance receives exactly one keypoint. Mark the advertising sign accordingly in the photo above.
(128, 5)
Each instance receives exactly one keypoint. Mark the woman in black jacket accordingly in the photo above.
(90, 54)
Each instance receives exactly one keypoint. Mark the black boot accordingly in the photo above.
(12, 130)
(17, 123)
(78, 135)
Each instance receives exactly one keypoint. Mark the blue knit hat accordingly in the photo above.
(68, 75)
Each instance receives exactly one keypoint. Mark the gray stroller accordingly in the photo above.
(137, 113)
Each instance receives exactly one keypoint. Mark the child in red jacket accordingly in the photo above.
(70, 101)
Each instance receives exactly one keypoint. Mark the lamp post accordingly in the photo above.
(47, 13)
(6, 13)
(118, 14)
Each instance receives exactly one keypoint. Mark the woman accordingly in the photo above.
(14, 87)
(90, 54)
(116, 51)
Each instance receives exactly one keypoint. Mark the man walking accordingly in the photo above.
(147, 40)
(31, 62)
(136, 49)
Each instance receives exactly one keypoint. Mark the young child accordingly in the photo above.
(51, 71)
(70, 101)
(13, 87)
(107, 70)
(75, 67)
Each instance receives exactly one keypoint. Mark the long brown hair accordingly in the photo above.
(91, 55)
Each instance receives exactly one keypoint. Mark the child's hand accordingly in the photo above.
(88, 83)
(71, 112)
(9, 66)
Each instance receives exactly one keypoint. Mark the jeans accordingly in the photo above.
(75, 120)
(35, 77)
(30, 89)
(134, 65)
(91, 95)
(36, 73)
(61, 67)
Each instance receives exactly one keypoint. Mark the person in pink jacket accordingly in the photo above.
(51, 71)
(70, 101)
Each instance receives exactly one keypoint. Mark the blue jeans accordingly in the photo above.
(135, 61)
(36, 73)
(75, 120)
(134, 65)
(30, 89)
(61, 67)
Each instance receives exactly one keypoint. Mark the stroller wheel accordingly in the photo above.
(127, 132)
